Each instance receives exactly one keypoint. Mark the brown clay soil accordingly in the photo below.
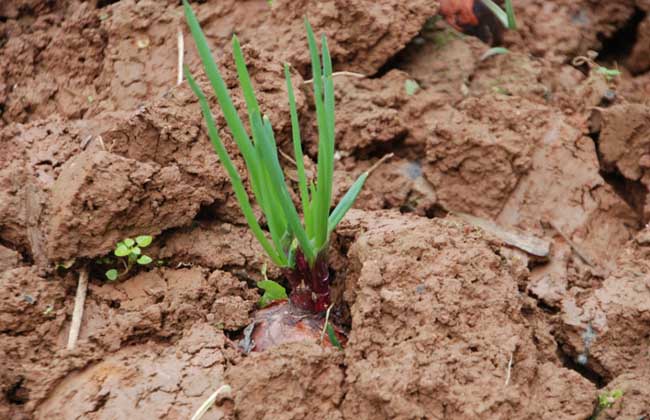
(447, 316)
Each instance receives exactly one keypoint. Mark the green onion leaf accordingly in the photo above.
(493, 51)
(272, 166)
(297, 150)
(498, 12)
(223, 97)
(346, 202)
(510, 11)
(235, 179)
(321, 201)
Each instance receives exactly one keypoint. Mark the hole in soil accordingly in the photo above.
(379, 150)
(583, 370)
(401, 57)
(25, 256)
(618, 46)
(395, 62)
(545, 306)
(436, 211)
(233, 335)
(17, 394)
(632, 192)
(206, 213)
(104, 3)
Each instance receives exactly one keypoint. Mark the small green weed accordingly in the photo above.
(64, 265)
(494, 51)
(48, 310)
(610, 74)
(590, 61)
(607, 400)
(129, 253)
(272, 290)
(411, 86)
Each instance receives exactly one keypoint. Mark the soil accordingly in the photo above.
(443, 320)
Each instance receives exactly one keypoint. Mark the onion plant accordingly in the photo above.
(298, 246)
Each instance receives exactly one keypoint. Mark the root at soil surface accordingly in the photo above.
(282, 322)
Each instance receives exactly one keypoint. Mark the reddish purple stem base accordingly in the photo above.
(310, 286)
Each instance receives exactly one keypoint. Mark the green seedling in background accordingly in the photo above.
(609, 74)
(608, 399)
(48, 310)
(507, 17)
(129, 253)
(411, 86)
(65, 265)
(494, 51)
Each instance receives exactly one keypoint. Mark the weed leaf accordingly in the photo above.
(411, 86)
(332, 336)
(111, 274)
(144, 260)
(121, 250)
(272, 291)
(143, 241)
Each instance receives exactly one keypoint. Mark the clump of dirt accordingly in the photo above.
(8, 258)
(142, 172)
(635, 401)
(607, 332)
(463, 144)
(148, 313)
(220, 246)
(442, 61)
(434, 329)
(32, 318)
(292, 381)
(564, 28)
(623, 136)
(124, 53)
(149, 379)
(375, 118)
